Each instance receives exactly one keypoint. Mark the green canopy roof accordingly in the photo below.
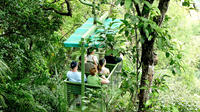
(75, 39)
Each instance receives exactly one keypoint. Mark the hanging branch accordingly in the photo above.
(89, 4)
(69, 13)
(93, 8)
(137, 9)
(58, 12)
(163, 7)
(68, 7)
(55, 1)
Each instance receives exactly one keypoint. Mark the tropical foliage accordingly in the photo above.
(33, 60)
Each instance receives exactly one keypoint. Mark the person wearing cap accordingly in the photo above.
(74, 75)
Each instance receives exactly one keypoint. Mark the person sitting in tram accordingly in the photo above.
(91, 57)
(93, 79)
(88, 65)
(102, 69)
(74, 75)
(113, 59)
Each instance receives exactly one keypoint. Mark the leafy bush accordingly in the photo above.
(181, 97)
(19, 99)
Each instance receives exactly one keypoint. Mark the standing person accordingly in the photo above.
(74, 75)
(91, 57)
(93, 79)
(101, 67)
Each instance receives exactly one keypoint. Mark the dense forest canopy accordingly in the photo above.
(159, 40)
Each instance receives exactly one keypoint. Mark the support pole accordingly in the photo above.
(82, 73)
(94, 12)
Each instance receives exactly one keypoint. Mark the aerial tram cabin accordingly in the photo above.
(79, 38)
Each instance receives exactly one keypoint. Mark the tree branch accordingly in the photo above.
(69, 13)
(55, 1)
(68, 7)
(146, 9)
(89, 4)
(58, 12)
(163, 7)
(137, 9)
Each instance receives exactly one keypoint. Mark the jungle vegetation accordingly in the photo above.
(159, 40)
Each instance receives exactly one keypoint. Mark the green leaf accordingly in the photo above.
(178, 70)
(99, 22)
(118, 2)
(174, 109)
(145, 25)
(186, 3)
(167, 54)
(179, 56)
(134, 19)
(128, 3)
(160, 43)
(144, 87)
(148, 4)
(142, 40)
(126, 33)
(173, 72)
(125, 22)
(137, 1)
(172, 62)
(121, 30)
(127, 15)
(149, 102)
(146, 33)
(2, 101)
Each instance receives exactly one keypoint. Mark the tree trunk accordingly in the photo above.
(147, 58)
(147, 72)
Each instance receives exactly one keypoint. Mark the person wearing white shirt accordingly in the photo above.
(102, 69)
(74, 75)
(91, 57)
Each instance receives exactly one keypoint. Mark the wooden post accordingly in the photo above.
(82, 73)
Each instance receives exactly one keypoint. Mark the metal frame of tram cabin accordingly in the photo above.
(72, 41)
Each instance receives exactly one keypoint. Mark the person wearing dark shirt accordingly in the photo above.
(113, 59)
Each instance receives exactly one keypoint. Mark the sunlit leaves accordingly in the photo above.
(137, 1)
(167, 54)
(4, 72)
(148, 4)
(128, 4)
(186, 3)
